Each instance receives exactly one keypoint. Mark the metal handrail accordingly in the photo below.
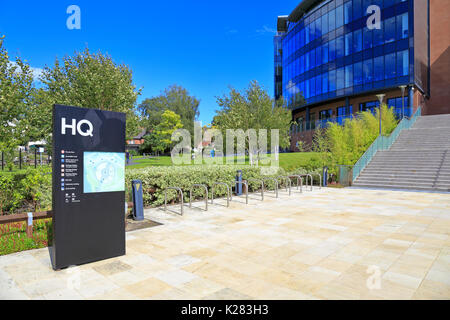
(228, 192)
(262, 185)
(306, 182)
(165, 197)
(287, 179)
(320, 178)
(299, 178)
(276, 184)
(206, 195)
(383, 143)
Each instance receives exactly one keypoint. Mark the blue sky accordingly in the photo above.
(205, 46)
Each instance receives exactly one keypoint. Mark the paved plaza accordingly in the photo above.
(322, 244)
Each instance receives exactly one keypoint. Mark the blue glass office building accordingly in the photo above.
(328, 53)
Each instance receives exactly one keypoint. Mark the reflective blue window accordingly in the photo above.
(357, 11)
(306, 61)
(358, 73)
(332, 50)
(318, 85)
(347, 12)
(348, 76)
(402, 26)
(357, 40)
(332, 20)
(325, 53)
(318, 56)
(340, 78)
(312, 59)
(378, 68)
(389, 63)
(302, 64)
(332, 80)
(377, 37)
(339, 16)
(389, 30)
(307, 34)
(325, 82)
(340, 47)
(402, 63)
(324, 21)
(348, 43)
(367, 38)
(368, 70)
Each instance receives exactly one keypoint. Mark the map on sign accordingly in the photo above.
(104, 172)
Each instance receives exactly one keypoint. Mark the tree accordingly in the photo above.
(176, 99)
(91, 81)
(16, 88)
(253, 109)
(170, 122)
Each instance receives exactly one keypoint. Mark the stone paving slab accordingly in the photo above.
(325, 244)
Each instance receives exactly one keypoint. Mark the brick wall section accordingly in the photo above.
(439, 102)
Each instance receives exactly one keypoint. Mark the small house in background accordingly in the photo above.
(136, 141)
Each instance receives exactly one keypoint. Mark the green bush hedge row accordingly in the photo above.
(156, 179)
(26, 190)
(32, 190)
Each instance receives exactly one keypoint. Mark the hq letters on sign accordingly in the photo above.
(76, 127)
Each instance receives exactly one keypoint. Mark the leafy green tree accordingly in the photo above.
(176, 99)
(16, 88)
(170, 122)
(92, 81)
(253, 109)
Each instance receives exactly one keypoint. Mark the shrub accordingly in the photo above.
(156, 179)
(30, 189)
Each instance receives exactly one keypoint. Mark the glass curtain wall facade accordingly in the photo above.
(330, 52)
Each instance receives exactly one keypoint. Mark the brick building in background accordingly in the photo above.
(325, 52)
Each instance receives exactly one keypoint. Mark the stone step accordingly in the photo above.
(394, 186)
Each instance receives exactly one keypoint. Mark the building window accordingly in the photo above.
(402, 26)
(402, 63)
(332, 50)
(348, 43)
(358, 73)
(368, 70)
(339, 16)
(357, 40)
(332, 20)
(325, 82)
(332, 81)
(357, 11)
(367, 38)
(378, 68)
(348, 76)
(389, 61)
(389, 30)
(347, 12)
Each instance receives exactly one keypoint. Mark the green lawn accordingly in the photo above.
(288, 161)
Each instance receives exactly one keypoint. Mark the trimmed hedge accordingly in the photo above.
(156, 179)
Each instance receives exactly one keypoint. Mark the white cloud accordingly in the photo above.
(266, 30)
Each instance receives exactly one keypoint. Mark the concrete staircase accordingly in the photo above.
(419, 159)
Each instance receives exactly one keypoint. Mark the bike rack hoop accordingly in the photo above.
(320, 178)
(299, 181)
(228, 191)
(262, 185)
(165, 197)
(306, 182)
(287, 179)
(206, 195)
(276, 184)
